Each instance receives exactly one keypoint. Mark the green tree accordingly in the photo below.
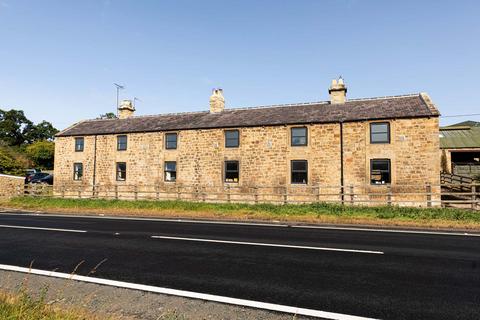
(13, 127)
(41, 153)
(108, 115)
(40, 132)
(8, 165)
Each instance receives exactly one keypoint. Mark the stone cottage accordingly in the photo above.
(369, 146)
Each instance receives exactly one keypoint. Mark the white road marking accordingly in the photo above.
(390, 230)
(38, 228)
(189, 294)
(300, 226)
(149, 219)
(268, 244)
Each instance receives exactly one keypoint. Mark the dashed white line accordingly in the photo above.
(190, 294)
(268, 244)
(39, 228)
(102, 216)
(258, 224)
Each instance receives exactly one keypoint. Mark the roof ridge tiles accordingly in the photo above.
(325, 102)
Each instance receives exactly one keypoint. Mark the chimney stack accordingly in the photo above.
(126, 109)
(217, 101)
(338, 91)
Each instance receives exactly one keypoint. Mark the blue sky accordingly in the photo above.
(59, 59)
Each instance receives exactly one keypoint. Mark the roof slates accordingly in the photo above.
(322, 112)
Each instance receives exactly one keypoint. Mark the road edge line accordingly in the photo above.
(187, 294)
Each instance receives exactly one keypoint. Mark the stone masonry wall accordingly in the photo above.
(11, 186)
(264, 155)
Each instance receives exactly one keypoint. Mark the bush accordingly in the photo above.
(41, 153)
(9, 165)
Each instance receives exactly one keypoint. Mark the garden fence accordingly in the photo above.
(465, 195)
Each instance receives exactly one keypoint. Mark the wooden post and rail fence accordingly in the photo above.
(450, 193)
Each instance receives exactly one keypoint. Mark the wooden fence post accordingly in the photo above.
(179, 193)
(285, 196)
(474, 197)
(351, 195)
(228, 194)
(318, 192)
(135, 192)
(116, 192)
(342, 195)
(79, 192)
(204, 195)
(428, 189)
(389, 195)
(255, 190)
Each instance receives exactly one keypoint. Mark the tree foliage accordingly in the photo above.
(108, 115)
(14, 126)
(16, 129)
(20, 139)
(41, 131)
(41, 153)
(9, 165)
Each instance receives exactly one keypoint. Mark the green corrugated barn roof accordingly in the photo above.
(460, 137)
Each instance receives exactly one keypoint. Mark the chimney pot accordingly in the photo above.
(338, 91)
(126, 109)
(217, 101)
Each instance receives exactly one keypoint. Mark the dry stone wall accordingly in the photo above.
(11, 186)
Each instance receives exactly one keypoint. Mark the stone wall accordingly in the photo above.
(11, 185)
(264, 155)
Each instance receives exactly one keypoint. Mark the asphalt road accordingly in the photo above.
(386, 275)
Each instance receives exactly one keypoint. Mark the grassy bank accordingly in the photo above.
(24, 307)
(311, 213)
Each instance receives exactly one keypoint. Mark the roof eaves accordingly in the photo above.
(61, 133)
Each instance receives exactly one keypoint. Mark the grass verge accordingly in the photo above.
(32, 299)
(309, 213)
(25, 307)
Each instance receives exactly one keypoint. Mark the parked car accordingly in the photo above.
(36, 176)
(48, 179)
(29, 173)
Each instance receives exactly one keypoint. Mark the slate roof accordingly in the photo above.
(460, 137)
(408, 106)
